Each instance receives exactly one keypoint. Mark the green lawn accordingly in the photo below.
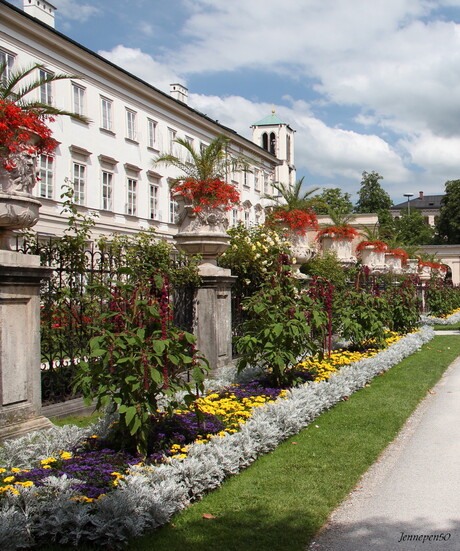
(284, 498)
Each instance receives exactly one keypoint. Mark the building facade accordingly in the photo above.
(110, 160)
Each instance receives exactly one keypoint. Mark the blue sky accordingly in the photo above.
(367, 84)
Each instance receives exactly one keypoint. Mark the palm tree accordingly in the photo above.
(209, 162)
(16, 85)
(293, 199)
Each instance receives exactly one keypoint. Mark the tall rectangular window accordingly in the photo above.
(131, 197)
(256, 180)
(45, 87)
(173, 210)
(106, 113)
(6, 61)
(131, 125)
(78, 99)
(172, 136)
(107, 188)
(79, 176)
(152, 133)
(154, 191)
(46, 171)
(235, 217)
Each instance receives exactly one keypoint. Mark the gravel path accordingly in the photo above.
(410, 498)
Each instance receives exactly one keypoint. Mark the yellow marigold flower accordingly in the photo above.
(65, 455)
(2, 470)
(15, 470)
(48, 461)
(46, 467)
(25, 484)
(8, 479)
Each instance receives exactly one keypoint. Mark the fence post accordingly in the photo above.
(20, 386)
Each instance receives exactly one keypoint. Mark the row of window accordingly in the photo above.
(79, 174)
(79, 179)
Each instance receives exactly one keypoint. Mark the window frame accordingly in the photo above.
(106, 190)
(106, 114)
(131, 196)
(131, 125)
(79, 182)
(78, 99)
(45, 90)
(46, 188)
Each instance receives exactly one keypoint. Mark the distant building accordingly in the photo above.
(428, 205)
(110, 160)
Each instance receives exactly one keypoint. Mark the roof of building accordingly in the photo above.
(424, 202)
(131, 75)
(271, 120)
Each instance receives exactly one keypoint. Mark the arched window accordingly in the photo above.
(272, 143)
(265, 141)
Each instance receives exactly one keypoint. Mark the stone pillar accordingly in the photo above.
(20, 385)
(213, 315)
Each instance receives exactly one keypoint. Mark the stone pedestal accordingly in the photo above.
(20, 387)
(393, 263)
(213, 311)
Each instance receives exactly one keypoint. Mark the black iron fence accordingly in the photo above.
(70, 306)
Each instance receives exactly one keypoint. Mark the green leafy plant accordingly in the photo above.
(279, 329)
(138, 356)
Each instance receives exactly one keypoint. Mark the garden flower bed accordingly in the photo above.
(449, 319)
(143, 496)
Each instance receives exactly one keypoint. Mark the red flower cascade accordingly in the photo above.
(298, 220)
(338, 232)
(378, 246)
(18, 129)
(211, 192)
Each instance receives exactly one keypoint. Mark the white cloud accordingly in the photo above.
(322, 150)
(143, 66)
(73, 9)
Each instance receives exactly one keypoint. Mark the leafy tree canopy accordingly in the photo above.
(448, 222)
(333, 199)
(372, 197)
(411, 229)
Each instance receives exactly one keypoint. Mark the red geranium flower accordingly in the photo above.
(210, 192)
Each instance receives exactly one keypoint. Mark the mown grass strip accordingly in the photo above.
(284, 498)
(452, 327)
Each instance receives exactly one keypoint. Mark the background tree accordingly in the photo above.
(411, 229)
(448, 222)
(335, 199)
(372, 197)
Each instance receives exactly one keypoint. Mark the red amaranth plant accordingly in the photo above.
(211, 192)
(298, 220)
(22, 131)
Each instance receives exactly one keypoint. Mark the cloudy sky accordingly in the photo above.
(368, 85)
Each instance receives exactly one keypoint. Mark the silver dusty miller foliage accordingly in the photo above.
(150, 495)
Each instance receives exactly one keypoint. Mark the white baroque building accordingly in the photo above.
(110, 160)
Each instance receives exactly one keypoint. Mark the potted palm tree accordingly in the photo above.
(203, 196)
(293, 212)
(24, 134)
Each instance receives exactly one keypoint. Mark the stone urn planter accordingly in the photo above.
(393, 263)
(412, 266)
(202, 232)
(301, 250)
(18, 208)
(373, 258)
(342, 248)
(424, 272)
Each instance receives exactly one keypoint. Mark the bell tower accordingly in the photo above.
(277, 137)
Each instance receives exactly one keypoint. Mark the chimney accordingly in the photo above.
(179, 92)
(420, 194)
(40, 9)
